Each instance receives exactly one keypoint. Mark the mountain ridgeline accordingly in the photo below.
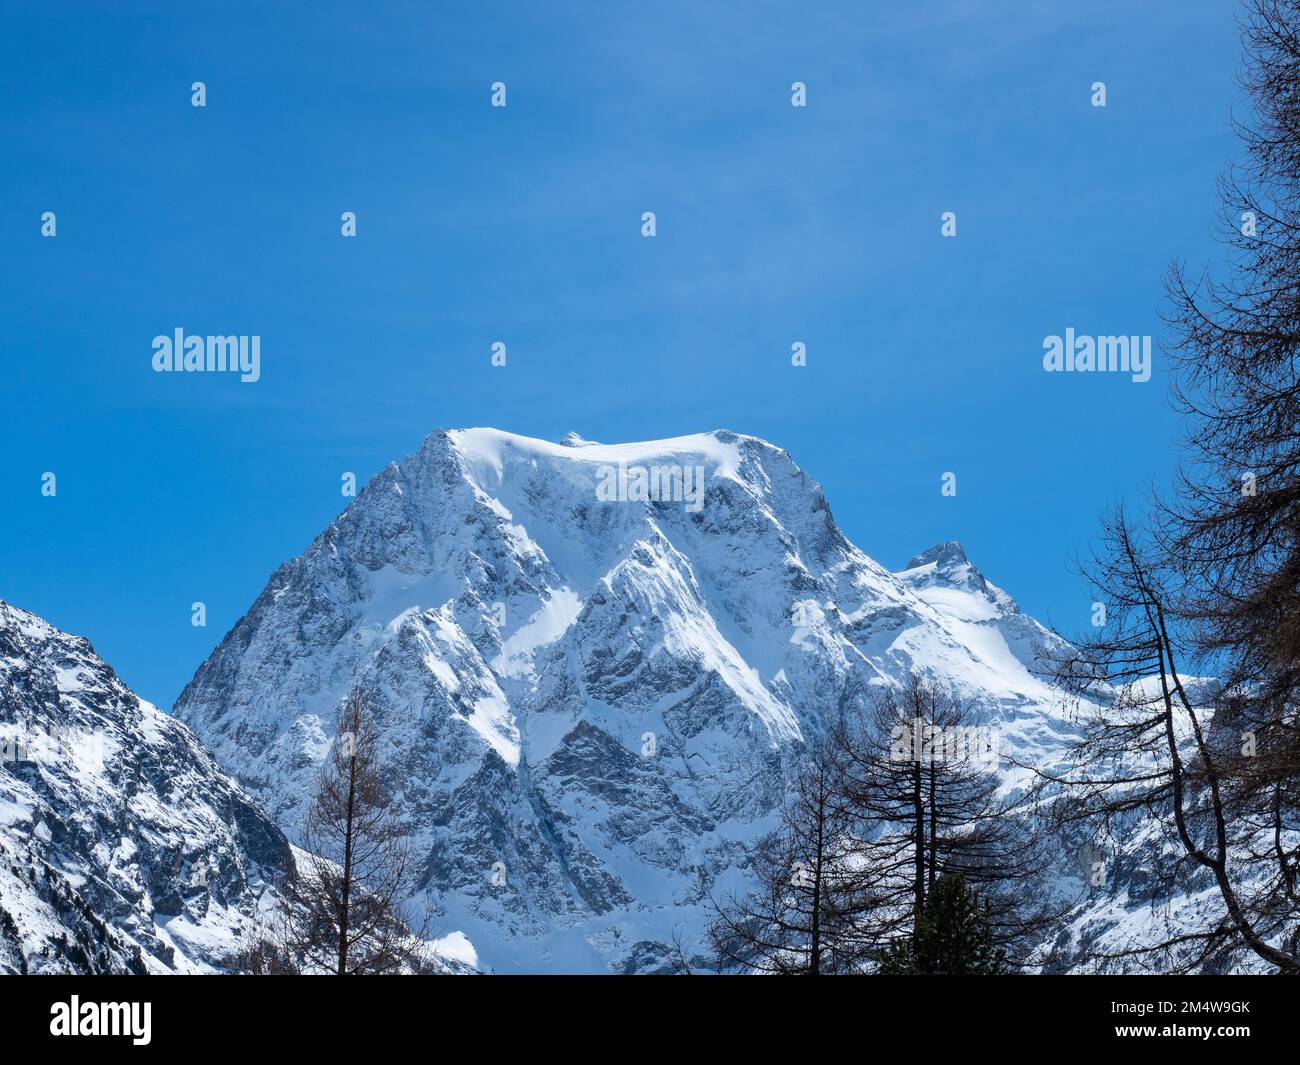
(591, 670)
(589, 699)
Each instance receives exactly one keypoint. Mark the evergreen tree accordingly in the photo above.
(954, 937)
(920, 785)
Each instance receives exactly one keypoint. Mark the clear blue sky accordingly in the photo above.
(775, 224)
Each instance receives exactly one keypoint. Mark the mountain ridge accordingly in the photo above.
(524, 642)
(125, 848)
(588, 706)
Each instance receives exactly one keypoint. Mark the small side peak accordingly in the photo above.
(574, 440)
(949, 553)
(947, 565)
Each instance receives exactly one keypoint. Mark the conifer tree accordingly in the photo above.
(954, 937)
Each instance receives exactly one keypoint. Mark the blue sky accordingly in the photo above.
(522, 224)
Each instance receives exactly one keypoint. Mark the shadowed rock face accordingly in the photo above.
(589, 704)
(123, 846)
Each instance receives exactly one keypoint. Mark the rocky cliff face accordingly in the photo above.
(123, 846)
(590, 678)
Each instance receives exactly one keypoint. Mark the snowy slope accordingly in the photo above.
(123, 846)
(589, 703)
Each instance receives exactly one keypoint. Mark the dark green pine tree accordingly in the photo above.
(953, 937)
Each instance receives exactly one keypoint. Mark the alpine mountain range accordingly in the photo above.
(588, 706)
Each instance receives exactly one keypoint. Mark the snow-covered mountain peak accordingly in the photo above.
(592, 665)
(945, 556)
(944, 575)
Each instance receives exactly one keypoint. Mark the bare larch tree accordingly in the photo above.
(344, 908)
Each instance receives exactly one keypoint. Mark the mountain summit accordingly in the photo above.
(589, 689)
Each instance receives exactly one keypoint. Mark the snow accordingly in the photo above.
(556, 614)
(488, 452)
(456, 946)
(493, 721)
(111, 791)
(590, 708)
(497, 612)
(67, 680)
(597, 700)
